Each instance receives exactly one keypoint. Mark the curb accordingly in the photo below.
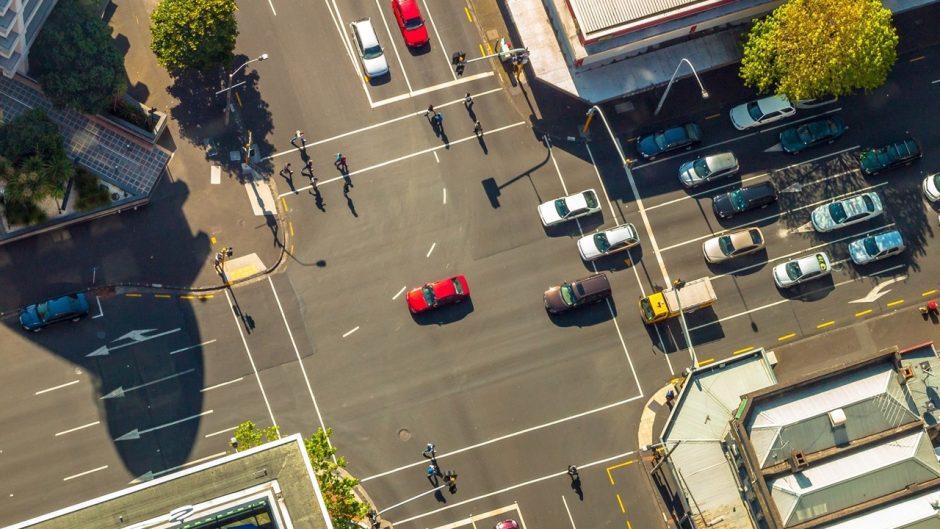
(655, 405)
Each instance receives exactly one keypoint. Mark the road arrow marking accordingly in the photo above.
(805, 228)
(135, 433)
(795, 187)
(120, 391)
(138, 336)
(876, 292)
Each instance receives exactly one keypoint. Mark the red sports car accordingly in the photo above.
(410, 22)
(432, 295)
(507, 524)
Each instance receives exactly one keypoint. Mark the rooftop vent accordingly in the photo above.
(837, 417)
(904, 374)
(797, 461)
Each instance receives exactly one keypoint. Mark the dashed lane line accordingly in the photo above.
(895, 303)
(865, 312)
(743, 350)
(829, 323)
(786, 337)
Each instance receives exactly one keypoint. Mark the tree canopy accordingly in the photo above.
(197, 34)
(75, 60)
(813, 48)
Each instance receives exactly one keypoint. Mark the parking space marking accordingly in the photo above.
(221, 384)
(428, 255)
(826, 324)
(620, 502)
(60, 386)
(399, 292)
(894, 303)
(928, 293)
(780, 214)
(865, 312)
(619, 465)
(251, 360)
(567, 510)
(391, 39)
(220, 432)
(100, 312)
(354, 329)
(427, 12)
(77, 428)
(786, 337)
(85, 473)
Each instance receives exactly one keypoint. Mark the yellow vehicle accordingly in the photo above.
(669, 303)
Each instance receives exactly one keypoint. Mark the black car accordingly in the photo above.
(681, 137)
(876, 159)
(727, 205)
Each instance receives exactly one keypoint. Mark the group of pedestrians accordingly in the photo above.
(437, 118)
(434, 470)
(288, 171)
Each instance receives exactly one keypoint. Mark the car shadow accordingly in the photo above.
(812, 291)
(616, 261)
(381, 79)
(588, 224)
(421, 50)
(585, 316)
(741, 266)
(673, 337)
(446, 314)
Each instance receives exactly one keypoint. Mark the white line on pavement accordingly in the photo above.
(779, 214)
(60, 386)
(400, 158)
(427, 12)
(84, 473)
(394, 46)
(433, 88)
(192, 347)
(399, 292)
(217, 386)
(354, 329)
(251, 360)
(567, 510)
(77, 428)
(100, 312)
(471, 520)
(445, 189)
(436, 159)
(188, 464)
(431, 250)
(220, 432)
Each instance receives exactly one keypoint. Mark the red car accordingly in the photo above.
(432, 295)
(410, 22)
(507, 524)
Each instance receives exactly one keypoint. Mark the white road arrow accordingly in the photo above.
(795, 187)
(876, 292)
(120, 391)
(805, 228)
(138, 336)
(135, 433)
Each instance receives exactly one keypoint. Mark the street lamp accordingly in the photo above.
(228, 91)
(668, 86)
(590, 115)
(677, 286)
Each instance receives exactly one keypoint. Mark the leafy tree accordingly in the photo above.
(75, 61)
(196, 34)
(31, 133)
(811, 48)
(337, 490)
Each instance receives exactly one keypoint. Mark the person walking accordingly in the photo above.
(288, 171)
(341, 163)
(573, 471)
(433, 472)
(430, 113)
(468, 101)
(438, 120)
(430, 452)
(298, 135)
(478, 129)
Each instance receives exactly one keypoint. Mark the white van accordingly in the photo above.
(371, 53)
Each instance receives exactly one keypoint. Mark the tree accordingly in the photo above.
(812, 48)
(75, 61)
(196, 34)
(341, 504)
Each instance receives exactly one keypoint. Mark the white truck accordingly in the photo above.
(669, 303)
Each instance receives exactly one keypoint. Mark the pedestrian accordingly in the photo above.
(430, 113)
(478, 129)
(288, 171)
(573, 471)
(298, 135)
(430, 452)
(308, 168)
(341, 162)
(433, 472)
(468, 101)
(439, 120)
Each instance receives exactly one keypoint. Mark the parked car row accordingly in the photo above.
(371, 54)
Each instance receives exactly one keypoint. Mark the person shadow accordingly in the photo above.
(483, 144)
(576, 487)
(349, 200)
(290, 181)
(473, 115)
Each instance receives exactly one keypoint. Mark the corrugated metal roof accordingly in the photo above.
(918, 512)
(596, 15)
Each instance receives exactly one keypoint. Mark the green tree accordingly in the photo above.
(197, 34)
(247, 435)
(32, 133)
(75, 60)
(812, 48)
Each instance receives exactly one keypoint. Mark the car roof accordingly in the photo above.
(810, 263)
(760, 189)
(888, 239)
(366, 32)
(621, 233)
(774, 103)
(742, 237)
(409, 8)
(856, 204)
(721, 161)
(593, 284)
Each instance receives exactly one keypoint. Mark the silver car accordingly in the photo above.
(370, 51)
(733, 244)
(606, 242)
(708, 168)
(803, 269)
(876, 247)
(931, 186)
(846, 212)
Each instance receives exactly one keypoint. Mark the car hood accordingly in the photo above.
(553, 301)
(29, 317)
(790, 139)
(587, 247)
(416, 37)
(375, 67)
(930, 188)
(740, 118)
(687, 174)
(857, 251)
(780, 275)
(722, 203)
(548, 213)
(415, 299)
(821, 219)
(712, 250)
(647, 145)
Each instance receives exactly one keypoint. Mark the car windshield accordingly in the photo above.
(458, 288)
(793, 270)
(660, 140)
(869, 203)
(755, 237)
(43, 310)
(373, 52)
(567, 294)
(414, 23)
(562, 208)
(737, 200)
(701, 168)
(837, 212)
(725, 244)
(647, 309)
(590, 199)
(753, 109)
(805, 133)
(428, 293)
(600, 240)
(871, 248)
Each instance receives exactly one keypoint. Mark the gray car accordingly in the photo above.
(707, 168)
(876, 247)
(733, 244)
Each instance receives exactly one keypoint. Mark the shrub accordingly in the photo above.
(90, 193)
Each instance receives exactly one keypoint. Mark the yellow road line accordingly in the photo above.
(786, 337)
(187, 296)
(620, 502)
(609, 476)
(673, 381)
(291, 251)
(467, 11)
(743, 350)
(896, 302)
(207, 296)
(133, 295)
(628, 525)
(284, 203)
(481, 50)
(863, 313)
(929, 293)
(240, 273)
(706, 361)
(162, 296)
(291, 226)
(827, 324)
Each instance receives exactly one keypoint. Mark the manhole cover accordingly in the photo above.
(404, 435)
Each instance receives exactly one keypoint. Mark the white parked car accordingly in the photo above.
(931, 187)
(733, 244)
(707, 168)
(761, 112)
(876, 247)
(803, 269)
(607, 242)
(846, 212)
(570, 207)
(370, 52)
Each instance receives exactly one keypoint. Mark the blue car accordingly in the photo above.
(876, 247)
(72, 307)
(671, 139)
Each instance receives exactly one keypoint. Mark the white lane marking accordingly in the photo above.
(780, 214)
(377, 125)
(445, 190)
(222, 384)
(399, 292)
(354, 329)
(775, 303)
(220, 432)
(189, 464)
(300, 362)
(508, 436)
(447, 84)
(567, 510)
(646, 224)
(436, 159)
(400, 158)
(193, 347)
(471, 520)
(509, 488)
(270, 3)
(85, 473)
(100, 312)
(120, 391)
(791, 254)
(60, 386)
(431, 250)
(755, 177)
(877, 292)
(251, 360)
(427, 12)
(392, 39)
(77, 428)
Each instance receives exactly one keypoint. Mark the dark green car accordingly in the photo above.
(816, 132)
(873, 160)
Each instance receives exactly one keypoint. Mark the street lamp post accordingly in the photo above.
(668, 86)
(228, 91)
(677, 286)
(590, 115)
